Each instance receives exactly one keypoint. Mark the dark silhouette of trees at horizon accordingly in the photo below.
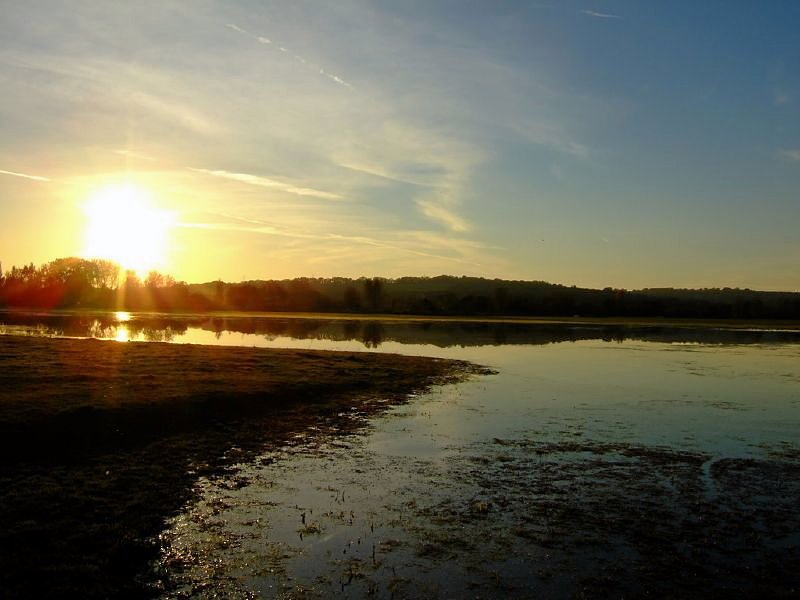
(100, 284)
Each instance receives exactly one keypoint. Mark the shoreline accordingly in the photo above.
(103, 442)
(43, 377)
(700, 322)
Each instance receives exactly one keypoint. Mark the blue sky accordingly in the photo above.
(628, 144)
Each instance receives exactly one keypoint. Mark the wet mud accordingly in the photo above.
(506, 518)
(102, 443)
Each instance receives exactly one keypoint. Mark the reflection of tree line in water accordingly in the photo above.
(373, 333)
(79, 283)
(102, 327)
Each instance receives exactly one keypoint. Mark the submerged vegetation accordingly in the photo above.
(80, 283)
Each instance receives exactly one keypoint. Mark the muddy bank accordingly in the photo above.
(506, 518)
(593, 519)
(102, 441)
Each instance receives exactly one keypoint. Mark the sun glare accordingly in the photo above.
(125, 227)
(123, 334)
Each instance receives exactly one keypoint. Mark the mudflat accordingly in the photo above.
(103, 441)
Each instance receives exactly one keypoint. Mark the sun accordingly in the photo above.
(124, 226)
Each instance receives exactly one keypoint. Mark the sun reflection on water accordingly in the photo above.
(123, 334)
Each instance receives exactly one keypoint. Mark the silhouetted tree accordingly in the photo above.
(373, 291)
(131, 290)
(154, 280)
(77, 282)
(219, 293)
(352, 300)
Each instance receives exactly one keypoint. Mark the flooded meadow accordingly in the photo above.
(587, 460)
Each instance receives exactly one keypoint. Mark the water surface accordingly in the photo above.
(598, 460)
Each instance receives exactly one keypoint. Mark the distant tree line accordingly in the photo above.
(80, 283)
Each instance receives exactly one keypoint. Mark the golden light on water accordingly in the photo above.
(124, 226)
(123, 334)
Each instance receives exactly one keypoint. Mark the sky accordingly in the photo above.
(594, 143)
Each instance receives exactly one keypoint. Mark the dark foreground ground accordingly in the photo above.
(101, 442)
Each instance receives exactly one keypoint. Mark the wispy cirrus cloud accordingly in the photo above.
(550, 135)
(269, 42)
(135, 154)
(792, 154)
(382, 172)
(25, 175)
(442, 214)
(108, 86)
(600, 15)
(267, 183)
(410, 244)
(176, 111)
